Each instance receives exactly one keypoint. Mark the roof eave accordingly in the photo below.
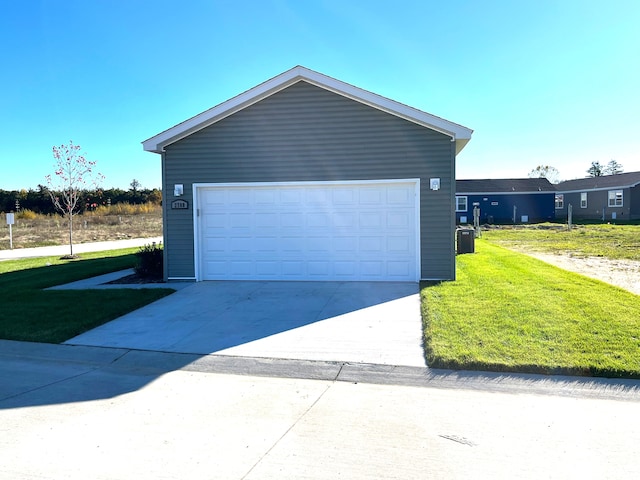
(156, 144)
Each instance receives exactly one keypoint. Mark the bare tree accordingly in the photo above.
(545, 171)
(613, 168)
(596, 169)
(73, 173)
(135, 185)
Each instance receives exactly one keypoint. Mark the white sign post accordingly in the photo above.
(10, 221)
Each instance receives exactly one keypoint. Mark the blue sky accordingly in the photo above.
(544, 82)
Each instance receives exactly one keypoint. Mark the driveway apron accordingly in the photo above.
(365, 322)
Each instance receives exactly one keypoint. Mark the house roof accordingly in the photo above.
(459, 134)
(620, 180)
(505, 185)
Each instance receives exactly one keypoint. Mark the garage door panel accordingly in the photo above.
(318, 220)
(266, 197)
(309, 232)
(371, 269)
(399, 196)
(292, 244)
(344, 220)
(290, 219)
(240, 244)
(371, 196)
(266, 220)
(267, 268)
(215, 245)
(399, 219)
(345, 244)
(318, 269)
(318, 244)
(214, 197)
(317, 196)
(371, 220)
(345, 268)
(267, 244)
(212, 220)
(293, 268)
(400, 244)
(344, 196)
(290, 196)
(371, 245)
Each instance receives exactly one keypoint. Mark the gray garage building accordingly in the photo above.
(305, 177)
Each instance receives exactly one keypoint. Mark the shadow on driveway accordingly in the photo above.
(286, 329)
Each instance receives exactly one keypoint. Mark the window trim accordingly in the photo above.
(613, 195)
(466, 203)
(559, 201)
(583, 200)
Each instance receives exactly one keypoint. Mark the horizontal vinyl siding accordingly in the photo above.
(597, 201)
(539, 207)
(305, 133)
(634, 203)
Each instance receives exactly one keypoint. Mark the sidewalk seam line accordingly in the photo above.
(304, 414)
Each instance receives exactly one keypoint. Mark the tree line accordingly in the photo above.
(38, 200)
(595, 170)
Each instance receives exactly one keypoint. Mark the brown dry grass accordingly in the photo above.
(116, 223)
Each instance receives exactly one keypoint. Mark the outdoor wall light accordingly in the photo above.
(178, 190)
(434, 183)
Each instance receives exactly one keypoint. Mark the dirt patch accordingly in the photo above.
(621, 273)
(53, 229)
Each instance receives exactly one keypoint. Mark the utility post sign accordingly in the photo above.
(10, 221)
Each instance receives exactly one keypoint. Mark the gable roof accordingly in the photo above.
(505, 185)
(620, 180)
(459, 134)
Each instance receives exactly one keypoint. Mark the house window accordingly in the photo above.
(615, 198)
(559, 200)
(583, 200)
(461, 204)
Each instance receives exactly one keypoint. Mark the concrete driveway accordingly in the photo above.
(365, 322)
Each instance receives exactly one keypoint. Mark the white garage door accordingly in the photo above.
(320, 231)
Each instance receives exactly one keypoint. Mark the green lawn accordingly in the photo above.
(510, 312)
(30, 313)
(611, 241)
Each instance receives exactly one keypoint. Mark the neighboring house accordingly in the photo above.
(610, 197)
(305, 177)
(506, 200)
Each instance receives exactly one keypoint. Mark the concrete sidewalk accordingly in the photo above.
(59, 250)
(83, 412)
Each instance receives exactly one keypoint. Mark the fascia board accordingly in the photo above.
(599, 189)
(537, 192)
(461, 135)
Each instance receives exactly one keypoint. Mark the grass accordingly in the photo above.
(30, 313)
(620, 242)
(510, 312)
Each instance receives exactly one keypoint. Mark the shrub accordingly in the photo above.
(27, 214)
(126, 209)
(149, 261)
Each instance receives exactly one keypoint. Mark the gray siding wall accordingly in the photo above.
(597, 201)
(634, 203)
(306, 133)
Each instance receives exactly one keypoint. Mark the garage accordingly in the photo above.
(308, 231)
(307, 177)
